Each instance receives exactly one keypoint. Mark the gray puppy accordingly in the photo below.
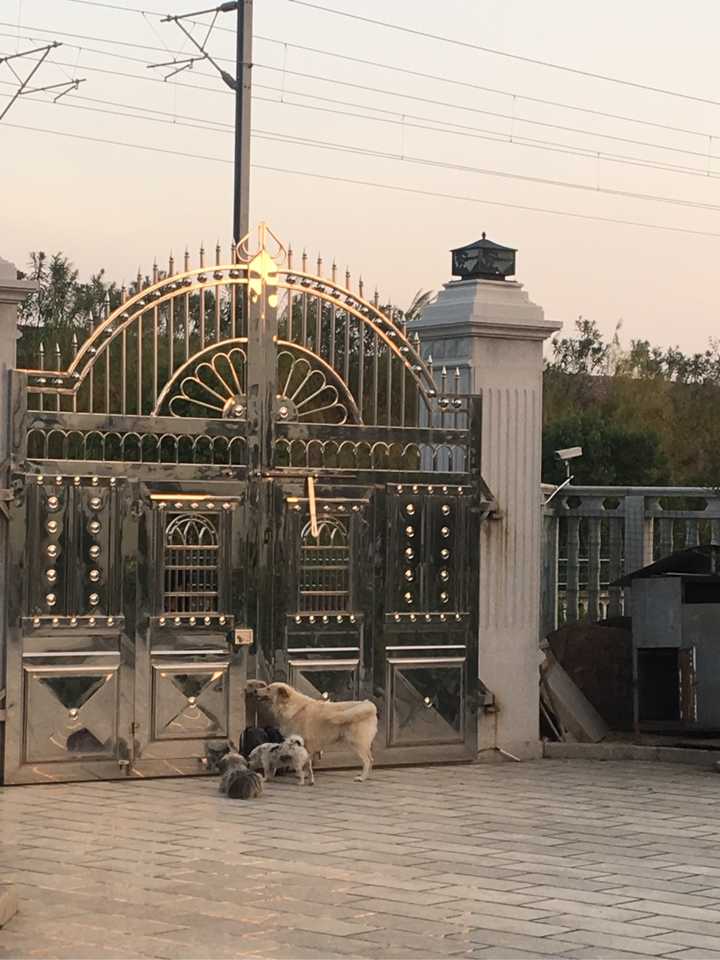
(269, 757)
(237, 781)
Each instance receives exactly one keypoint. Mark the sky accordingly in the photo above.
(465, 128)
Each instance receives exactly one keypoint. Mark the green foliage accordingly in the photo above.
(645, 415)
(613, 454)
(62, 307)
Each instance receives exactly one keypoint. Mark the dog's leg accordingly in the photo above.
(300, 774)
(366, 759)
(311, 775)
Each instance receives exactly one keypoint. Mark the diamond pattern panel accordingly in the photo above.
(70, 715)
(426, 704)
(190, 703)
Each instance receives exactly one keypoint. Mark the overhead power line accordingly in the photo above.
(512, 94)
(324, 144)
(512, 117)
(417, 191)
(393, 117)
(427, 35)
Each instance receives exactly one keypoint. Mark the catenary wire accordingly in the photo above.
(275, 136)
(504, 53)
(441, 103)
(443, 39)
(417, 191)
(396, 118)
(417, 73)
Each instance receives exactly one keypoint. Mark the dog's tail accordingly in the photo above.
(363, 710)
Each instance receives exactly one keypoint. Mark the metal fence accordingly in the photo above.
(594, 535)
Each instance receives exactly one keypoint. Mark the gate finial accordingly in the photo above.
(246, 250)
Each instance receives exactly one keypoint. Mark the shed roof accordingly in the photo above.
(693, 563)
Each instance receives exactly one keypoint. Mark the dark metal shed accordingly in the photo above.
(675, 608)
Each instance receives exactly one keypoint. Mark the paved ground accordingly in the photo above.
(576, 859)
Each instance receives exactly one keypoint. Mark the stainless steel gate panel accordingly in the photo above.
(190, 668)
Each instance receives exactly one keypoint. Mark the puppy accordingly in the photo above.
(215, 750)
(260, 758)
(237, 781)
(271, 756)
(322, 723)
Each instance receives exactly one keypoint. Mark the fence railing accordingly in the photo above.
(594, 535)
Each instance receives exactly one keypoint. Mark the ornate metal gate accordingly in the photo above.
(238, 447)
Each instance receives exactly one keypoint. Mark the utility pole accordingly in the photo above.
(243, 88)
(240, 84)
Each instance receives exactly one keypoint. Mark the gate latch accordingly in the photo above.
(314, 530)
(242, 638)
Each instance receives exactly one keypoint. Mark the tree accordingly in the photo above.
(613, 454)
(417, 305)
(62, 307)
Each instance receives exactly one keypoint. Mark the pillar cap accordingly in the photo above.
(13, 290)
(485, 308)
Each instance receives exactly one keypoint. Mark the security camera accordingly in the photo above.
(569, 453)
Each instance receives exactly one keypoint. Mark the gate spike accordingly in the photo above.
(123, 293)
(41, 355)
(218, 253)
(360, 286)
(155, 271)
(289, 256)
(319, 265)
(138, 286)
(457, 379)
(106, 304)
(202, 254)
(304, 261)
(347, 277)
(58, 358)
(171, 264)
(74, 343)
(186, 264)
(333, 271)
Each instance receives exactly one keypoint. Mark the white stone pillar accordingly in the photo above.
(12, 292)
(494, 334)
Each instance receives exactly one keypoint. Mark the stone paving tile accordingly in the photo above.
(548, 859)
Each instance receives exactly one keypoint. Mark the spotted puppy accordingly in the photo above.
(269, 757)
(237, 781)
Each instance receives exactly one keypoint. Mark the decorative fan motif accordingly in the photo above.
(304, 393)
(215, 389)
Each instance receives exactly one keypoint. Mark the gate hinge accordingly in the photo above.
(5, 497)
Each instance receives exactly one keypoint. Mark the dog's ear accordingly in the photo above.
(283, 692)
